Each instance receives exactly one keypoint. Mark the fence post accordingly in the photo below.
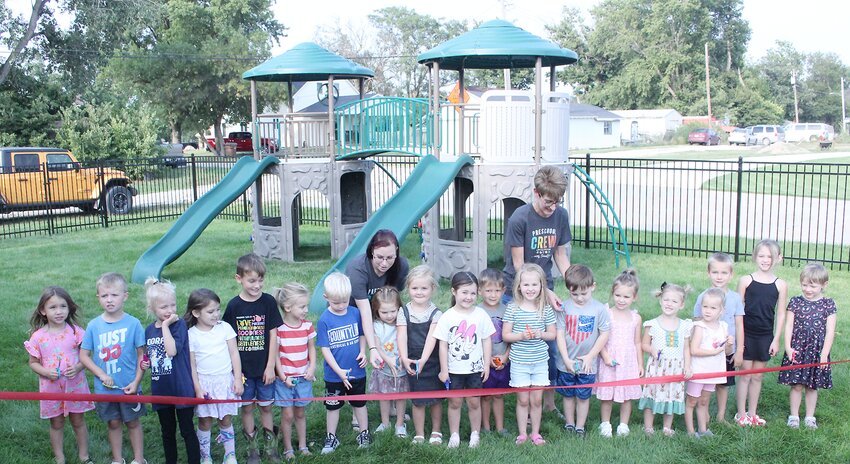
(738, 207)
(104, 208)
(194, 178)
(45, 179)
(587, 204)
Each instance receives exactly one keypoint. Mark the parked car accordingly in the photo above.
(704, 137)
(173, 156)
(24, 184)
(766, 134)
(808, 132)
(739, 135)
(244, 142)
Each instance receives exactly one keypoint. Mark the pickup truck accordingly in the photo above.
(244, 142)
(24, 184)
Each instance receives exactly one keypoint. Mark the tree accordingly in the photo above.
(189, 65)
(649, 54)
(776, 68)
(30, 105)
(404, 34)
(19, 38)
(352, 41)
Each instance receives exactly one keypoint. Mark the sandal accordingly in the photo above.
(436, 438)
(305, 451)
(668, 432)
(520, 439)
(418, 439)
(289, 455)
(537, 439)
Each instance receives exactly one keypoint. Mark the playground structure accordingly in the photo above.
(476, 156)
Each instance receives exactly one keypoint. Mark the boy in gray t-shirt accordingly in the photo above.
(582, 332)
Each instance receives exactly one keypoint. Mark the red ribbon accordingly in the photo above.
(35, 396)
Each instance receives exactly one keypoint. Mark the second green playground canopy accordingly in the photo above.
(306, 62)
(497, 44)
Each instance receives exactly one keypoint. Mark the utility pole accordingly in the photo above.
(843, 109)
(707, 86)
(794, 86)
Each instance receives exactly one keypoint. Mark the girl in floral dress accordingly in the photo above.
(54, 350)
(666, 339)
(809, 333)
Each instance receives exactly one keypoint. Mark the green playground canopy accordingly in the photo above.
(306, 62)
(497, 44)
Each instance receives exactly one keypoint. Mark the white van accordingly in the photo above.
(765, 135)
(809, 132)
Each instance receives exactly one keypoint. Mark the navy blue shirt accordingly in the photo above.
(169, 376)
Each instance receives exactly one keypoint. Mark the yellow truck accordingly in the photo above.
(42, 178)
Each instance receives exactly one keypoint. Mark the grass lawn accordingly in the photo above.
(75, 259)
(816, 180)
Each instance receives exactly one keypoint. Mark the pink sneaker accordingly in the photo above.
(757, 421)
(743, 420)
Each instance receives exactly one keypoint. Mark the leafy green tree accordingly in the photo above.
(404, 34)
(776, 68)
(30, 103)
(649, 54)
(189, 65)
(111, 131)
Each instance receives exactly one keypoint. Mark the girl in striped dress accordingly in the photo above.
(295, 365)
(527, 324)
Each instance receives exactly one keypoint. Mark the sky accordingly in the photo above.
(812, 25)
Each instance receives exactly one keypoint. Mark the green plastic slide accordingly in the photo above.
(422, 190)
(190, 224)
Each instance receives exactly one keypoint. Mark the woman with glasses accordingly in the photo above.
(381, 265)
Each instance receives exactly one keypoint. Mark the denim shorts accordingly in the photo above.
(255, 389)
(303, 389)
(568, 379)
(125, 412)
(530, 375)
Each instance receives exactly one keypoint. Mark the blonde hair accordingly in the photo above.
(627, 278)
(814, 273)
(111, 279)
(337, 286)
(772, 246)
(156, 290)
(716, 293)
(421, 271)
(667, 288)
(721, 258)
(287, 295)
(540, 301)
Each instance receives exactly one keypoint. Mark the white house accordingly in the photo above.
(645, 125)
(593, 127)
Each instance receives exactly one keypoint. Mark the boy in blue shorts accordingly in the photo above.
(339, 333)
(112, 346)
(582, 331)
(255, 318)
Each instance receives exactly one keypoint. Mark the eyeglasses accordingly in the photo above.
(549, 203)
(386, 259)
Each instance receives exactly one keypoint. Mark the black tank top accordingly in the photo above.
(760, 307)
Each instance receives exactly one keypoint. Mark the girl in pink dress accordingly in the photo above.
(54, 350)
(622, 357)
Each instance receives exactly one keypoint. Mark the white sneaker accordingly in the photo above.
(381, 428)
(401, 431)
(810, 422)
(230, 459)
(454, 441)
(623, 430)
(474, 440)
(605, 429)
(793, 422)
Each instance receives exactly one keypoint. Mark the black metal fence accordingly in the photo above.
(687, 207)
(681, 207)
(49, 199)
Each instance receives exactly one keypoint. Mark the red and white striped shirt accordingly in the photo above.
(292, 347)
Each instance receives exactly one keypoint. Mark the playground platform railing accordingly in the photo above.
(673, 207)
